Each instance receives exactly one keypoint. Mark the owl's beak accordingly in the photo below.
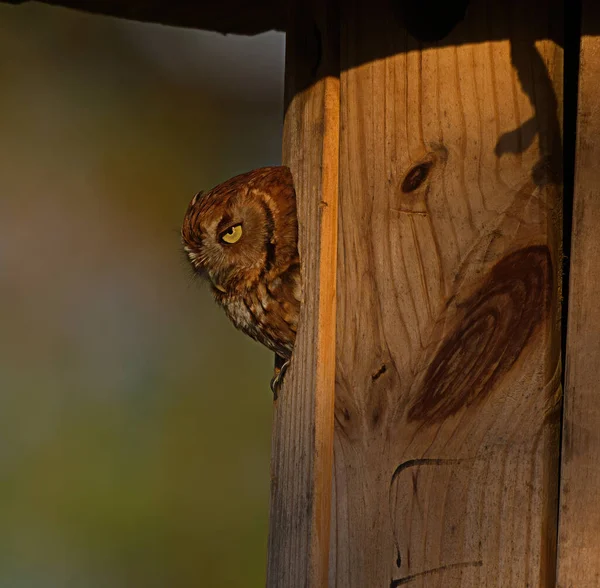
(214, 283)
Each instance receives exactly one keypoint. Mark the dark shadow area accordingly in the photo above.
(425, 19)
(573, 31)
(230, 17)
(430, 20)
(533, 77)
(574, 28)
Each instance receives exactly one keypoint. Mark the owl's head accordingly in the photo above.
(243, 230)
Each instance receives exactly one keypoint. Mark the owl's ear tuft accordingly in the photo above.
(196, 197)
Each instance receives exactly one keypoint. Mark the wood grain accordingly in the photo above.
(448, 334)
(302, 455)
(579, 530)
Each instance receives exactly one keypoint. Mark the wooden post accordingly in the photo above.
(302, 460)
(579, 531)
(448, 373)
(447, 382)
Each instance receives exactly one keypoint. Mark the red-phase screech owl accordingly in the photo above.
(242, 235)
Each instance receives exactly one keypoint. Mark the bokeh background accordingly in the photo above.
(134, 419)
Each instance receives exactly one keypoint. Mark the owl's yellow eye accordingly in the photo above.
(232, 234)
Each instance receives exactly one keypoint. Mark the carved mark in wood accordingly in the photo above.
(411, 486)
(493, 327)
(412, 577)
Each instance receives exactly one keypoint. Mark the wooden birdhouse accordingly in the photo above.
(421, 437)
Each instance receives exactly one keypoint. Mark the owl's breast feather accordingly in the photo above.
(268, 318)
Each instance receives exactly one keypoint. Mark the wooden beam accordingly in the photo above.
(302, 455)
(430, 17)
(448, 336)
(579, 556)
(226, 16)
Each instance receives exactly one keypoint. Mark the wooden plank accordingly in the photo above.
(579, 530)
(448, 340)
(302, 455)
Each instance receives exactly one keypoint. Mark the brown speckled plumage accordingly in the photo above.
(256, 279)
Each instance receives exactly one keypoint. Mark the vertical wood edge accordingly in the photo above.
(303, 427)
(578, 558)
(326, 344)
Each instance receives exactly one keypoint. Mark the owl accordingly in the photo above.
(242, 236)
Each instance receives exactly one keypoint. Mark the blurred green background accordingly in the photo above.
(134, 419)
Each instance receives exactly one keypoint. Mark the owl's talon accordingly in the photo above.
(277, 379)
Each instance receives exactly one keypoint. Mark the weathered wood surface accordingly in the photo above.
(579, 530)
(302, 456)
(448, 340)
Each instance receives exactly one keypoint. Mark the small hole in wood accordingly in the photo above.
(416, 176)
(430, 20)
(379, 372)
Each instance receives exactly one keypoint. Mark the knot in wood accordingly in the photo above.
(416, 176)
